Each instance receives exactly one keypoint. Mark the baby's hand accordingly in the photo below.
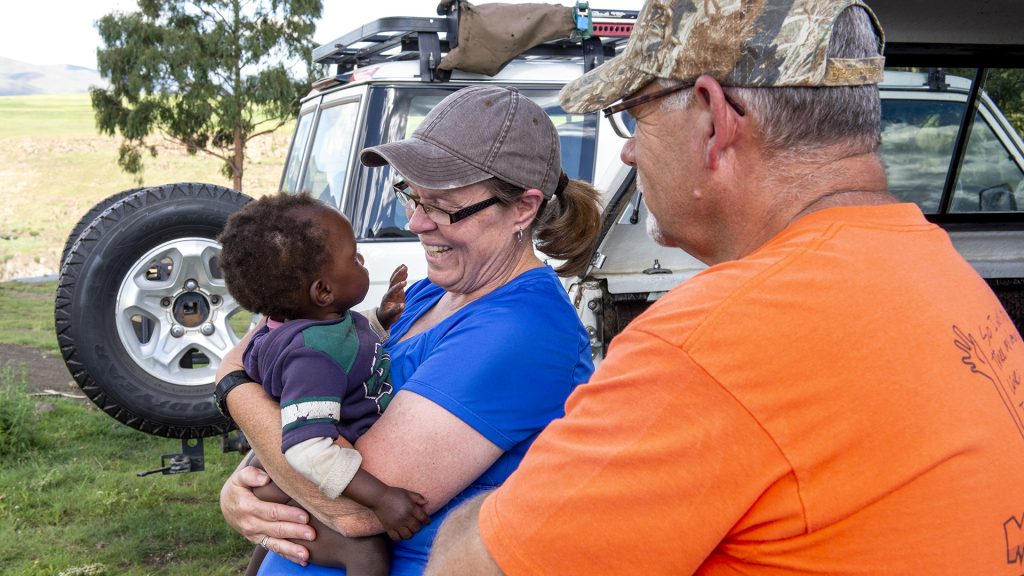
(393, 302)
(401, 512)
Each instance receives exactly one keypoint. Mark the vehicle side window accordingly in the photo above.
(991, 177)
(989, 180)
(331, 153)
(918, 137)
(290, 183)
(922, 113)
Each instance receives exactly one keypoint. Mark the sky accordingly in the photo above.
(64, 31)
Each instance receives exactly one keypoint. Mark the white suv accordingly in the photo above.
(143, 316)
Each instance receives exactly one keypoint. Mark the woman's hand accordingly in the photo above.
(393, 302)
(273, 525)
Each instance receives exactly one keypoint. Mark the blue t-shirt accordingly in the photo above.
(504, 364)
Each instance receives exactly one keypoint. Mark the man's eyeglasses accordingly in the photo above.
(410, 202)
(624, 123)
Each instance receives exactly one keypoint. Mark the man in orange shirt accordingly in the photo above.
(838, 393)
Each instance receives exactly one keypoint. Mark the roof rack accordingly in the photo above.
(427, 39)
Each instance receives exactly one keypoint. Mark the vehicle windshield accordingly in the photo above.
(331, 167)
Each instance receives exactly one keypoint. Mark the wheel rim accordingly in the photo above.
(174, 314)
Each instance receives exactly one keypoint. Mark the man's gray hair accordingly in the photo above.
(846, 120)
(808, 123)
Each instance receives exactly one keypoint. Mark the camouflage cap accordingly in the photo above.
(751, 43)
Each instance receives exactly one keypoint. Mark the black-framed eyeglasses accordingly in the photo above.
(410, 202)
(624, 123)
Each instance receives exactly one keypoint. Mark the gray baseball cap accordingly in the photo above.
(738, 42)
(473, 135)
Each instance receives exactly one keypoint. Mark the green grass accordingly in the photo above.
(60, 115)
(26, 314)
(56, 167)
(70, 500)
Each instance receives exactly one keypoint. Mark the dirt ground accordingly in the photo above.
(43, 372)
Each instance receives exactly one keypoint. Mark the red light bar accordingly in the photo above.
(613, 30)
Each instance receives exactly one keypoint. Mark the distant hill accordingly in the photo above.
(20, 78)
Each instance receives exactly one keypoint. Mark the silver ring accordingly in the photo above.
(263, 543)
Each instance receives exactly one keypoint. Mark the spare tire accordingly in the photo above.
(142, 313)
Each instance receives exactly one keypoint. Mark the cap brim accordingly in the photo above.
(603, 86)
(424, 164)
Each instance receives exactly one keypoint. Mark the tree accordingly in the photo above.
(1003, 86)
(210, 75)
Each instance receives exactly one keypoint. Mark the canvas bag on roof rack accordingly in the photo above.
(491, 35)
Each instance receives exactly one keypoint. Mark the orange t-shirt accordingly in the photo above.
(846, 400)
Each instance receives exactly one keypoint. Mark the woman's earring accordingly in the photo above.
(519, 236)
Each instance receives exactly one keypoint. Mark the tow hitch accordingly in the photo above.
(192, 457)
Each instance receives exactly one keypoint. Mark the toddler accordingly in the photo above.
(293, 259)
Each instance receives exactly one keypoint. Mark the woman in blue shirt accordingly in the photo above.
(488, 347)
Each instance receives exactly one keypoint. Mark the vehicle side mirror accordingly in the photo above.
(998, 198)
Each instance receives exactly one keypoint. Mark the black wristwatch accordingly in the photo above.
(225, 385)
